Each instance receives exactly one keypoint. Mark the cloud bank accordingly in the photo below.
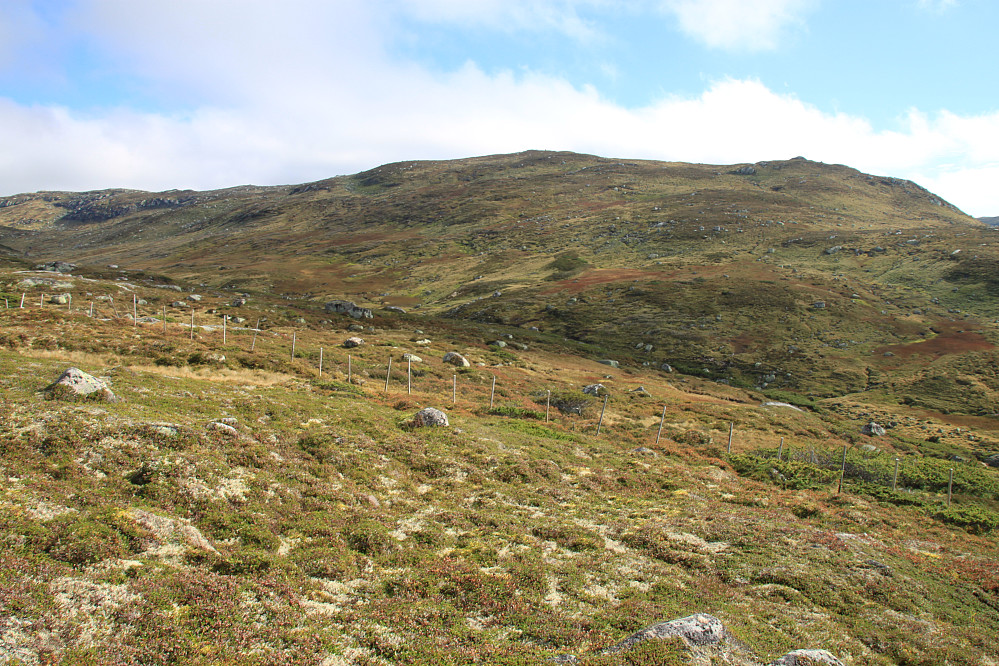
(309, 90)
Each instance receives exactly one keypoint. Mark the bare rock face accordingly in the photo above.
(349, 308)
(75, 383)
(454, 358)
(353, 341)
(428, 416)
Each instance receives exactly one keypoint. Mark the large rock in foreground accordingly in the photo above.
(428, 416)
(454, 358)
(77, 384)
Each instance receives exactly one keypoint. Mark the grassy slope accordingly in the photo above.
(338, 533)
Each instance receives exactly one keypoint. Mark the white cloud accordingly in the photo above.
(739, 24)
(937, 6)
(562, 16)
(280, 105)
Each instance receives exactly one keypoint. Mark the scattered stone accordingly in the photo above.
(422, 343)
(353, 341)
(194, 297)
(833, 250)
(59, 299)
(412, 358)
(595, 389)
(147, 320)
(238, 320)
(640, 390)
(75, 383)
(223, 429)
(355, 328)
(744, 171)
(819, 305)
(238, 302)
(807, 658)
(428, 416)
(700, 629)
(395, 308)
(666, 367)
(992, 460)
(873, 429)
(607, 361)
(869, 448)
(643, 451)
(498, 343)
(519, 345)
(178, 304)
(454, 358)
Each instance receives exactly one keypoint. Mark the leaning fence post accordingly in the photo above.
(842, 471)
(731, 431)
(662, 422)
(950, 485)
(492, 393)
(780, 451)
(388, 374)
(23, 294)
(256, 329)
(548, 405)
(602, 410)
(894, 479)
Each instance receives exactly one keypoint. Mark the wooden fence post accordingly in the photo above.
(548, 405)
(409, 376)
(348, 368)
(294, 340)
(256, 329)
(894, 480)
(23, 294)
(602, 410)
(950, 485)
(731, 431)
(164, 319)
(842, 471)
(780, 451)
(320, 361)
(135, 311)
(454, 390)
(662, 422)
(192, 324)
(492, 394)
(388, 374)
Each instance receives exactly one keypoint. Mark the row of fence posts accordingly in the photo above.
(454, 384)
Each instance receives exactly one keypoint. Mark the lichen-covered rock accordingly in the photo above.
(454, 358)
(807, 658)
(428, 416)
(59, 299)
(223, 429)
(353, 341)
(349, 308)
(75, 383)
(612, 363)
(412, 358)
(595, 389)
(873, 429)
(699, 629)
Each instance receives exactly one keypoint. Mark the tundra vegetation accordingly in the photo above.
(237, 503)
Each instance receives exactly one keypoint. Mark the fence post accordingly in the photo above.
(23, 294)
(950, 485)
(662, 422)
(225, 327)
(164, 318)
(492, 393)
(256, 329)
(409, 376)
(348, 368)
(602, 410)
(780, 451)
(842, 471)
(731, 431)
(69, 304)
(41, 300)
(320, 361)
(91, 309)
(894, 479)
(454, 390)
(294, 341)
(135, 311)
(388, 374)
(548, 405)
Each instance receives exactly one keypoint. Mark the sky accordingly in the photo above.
(203, 94)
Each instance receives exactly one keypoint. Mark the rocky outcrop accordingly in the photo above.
(56, 267)
(595, 389)
(700, 629)
(352, 342)
(807, 658)
(873, 429)
(348, 308)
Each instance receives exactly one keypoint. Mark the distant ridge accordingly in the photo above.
(991, 221)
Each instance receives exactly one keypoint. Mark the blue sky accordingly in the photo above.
(160, 94)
